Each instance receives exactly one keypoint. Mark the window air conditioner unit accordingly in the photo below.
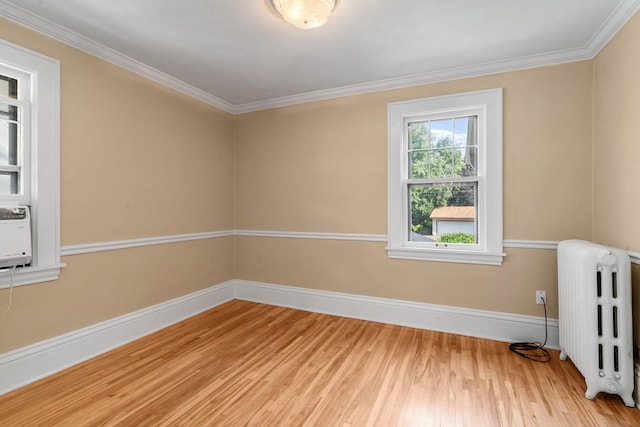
(15, 236)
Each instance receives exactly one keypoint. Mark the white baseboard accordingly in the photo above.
(28, 364)
(31, 363)
(462, 321)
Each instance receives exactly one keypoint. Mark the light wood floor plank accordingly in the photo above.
(251, 364)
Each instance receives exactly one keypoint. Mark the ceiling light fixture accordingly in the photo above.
(305, 13)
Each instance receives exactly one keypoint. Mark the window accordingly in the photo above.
(14, 128)
(445, 178)
(29, 153)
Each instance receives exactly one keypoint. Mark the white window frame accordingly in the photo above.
(489, 247)
(43, 163)
(23, 103)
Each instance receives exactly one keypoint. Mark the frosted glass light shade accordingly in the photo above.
(305, 13)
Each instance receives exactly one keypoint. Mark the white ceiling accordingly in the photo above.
(241, 56)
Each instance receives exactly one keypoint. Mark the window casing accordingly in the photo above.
(445, 178)
(30, 162)
(15, 107)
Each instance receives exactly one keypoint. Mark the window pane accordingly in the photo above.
(442, 133)
(8, 139)
(419, 135)
(8, 87)
(441, 162)
(8, 143)
(465, 131)
(438, 163)
(443, 148)
(8, 183)
(8, 112)
(451, 144)
(464, 162)
(443, 213)
(419, 164)
(466, 143)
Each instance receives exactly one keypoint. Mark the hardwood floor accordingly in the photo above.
(251, 364)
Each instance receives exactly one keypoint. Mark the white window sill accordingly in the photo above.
(447, 255)
(30, 275)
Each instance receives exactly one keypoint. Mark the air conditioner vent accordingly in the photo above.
(15, 236)
(13, 213)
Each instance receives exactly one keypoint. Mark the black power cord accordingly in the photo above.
(534, 350)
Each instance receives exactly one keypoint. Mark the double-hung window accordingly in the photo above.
(30, 154)
(14, 131)
(445, 178)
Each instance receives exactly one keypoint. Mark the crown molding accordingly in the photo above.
(447, 74)
(614, 22)
(71, 38)
(610, 27)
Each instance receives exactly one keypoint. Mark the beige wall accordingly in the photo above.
(134, 153)
(617, 147)
(322, 167)
(617, 142)
(137, 160)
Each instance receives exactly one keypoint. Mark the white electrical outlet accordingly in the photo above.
(541, 297)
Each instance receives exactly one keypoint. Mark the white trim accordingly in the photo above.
(531, 244)
(30, 275)
(553, 245)
(312, 235)
(134, 243)
(439, 76)
(44, 79)
(24, 124)
(448, 255)
(487, 106)
(614, 22)
(635, 258)
(64, 35)
(455, 320)
(28, 364)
